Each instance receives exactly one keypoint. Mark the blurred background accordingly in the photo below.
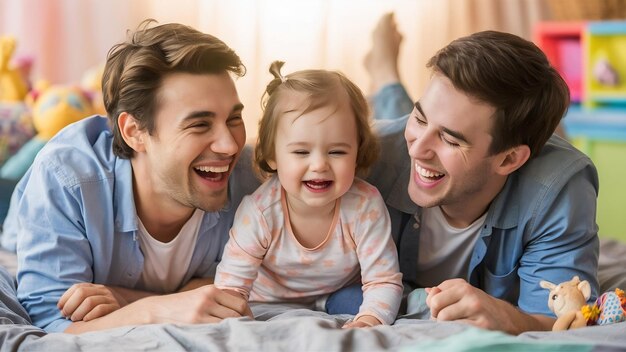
(66, 38)
(65, 41)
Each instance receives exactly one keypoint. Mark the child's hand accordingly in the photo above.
(87, 301)
(366, 321)
(248, 311)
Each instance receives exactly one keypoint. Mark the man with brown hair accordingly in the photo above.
(496, 202)
(117, 217)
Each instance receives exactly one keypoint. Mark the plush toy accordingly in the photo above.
(13, 87)
(605, 73)
(54, 108)
(91, 82)
(16, 126)
(568, 301)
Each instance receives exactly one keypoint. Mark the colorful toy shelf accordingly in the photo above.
(591, 57)
(601, 134)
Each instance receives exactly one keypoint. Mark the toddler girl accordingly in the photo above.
(313, 228)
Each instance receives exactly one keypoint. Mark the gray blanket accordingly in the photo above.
(291, 328)
(305, 330)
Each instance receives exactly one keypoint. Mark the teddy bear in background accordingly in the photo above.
(568, 301)
(53, 108)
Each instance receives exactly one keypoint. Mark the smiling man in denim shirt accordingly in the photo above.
(495, 201)
(122, 220)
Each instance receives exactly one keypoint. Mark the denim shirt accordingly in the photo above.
(73, 219)
(541, 226)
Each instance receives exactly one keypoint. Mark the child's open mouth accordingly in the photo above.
(317, 185)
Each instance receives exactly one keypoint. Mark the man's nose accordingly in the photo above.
(422, 146)
(225, 142)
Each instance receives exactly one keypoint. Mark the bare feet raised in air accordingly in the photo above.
(381, 62)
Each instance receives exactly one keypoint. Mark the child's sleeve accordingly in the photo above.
(249, 241)
(378, 257)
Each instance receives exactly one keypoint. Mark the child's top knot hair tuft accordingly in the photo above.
(278, 77)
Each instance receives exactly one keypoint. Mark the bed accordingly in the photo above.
(293, 328)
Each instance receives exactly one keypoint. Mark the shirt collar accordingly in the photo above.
(399, 196)
(123, 199)
(503, 213)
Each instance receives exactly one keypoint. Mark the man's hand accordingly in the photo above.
(206, 304)
(457, 300)
(195, 283)
(87, 301)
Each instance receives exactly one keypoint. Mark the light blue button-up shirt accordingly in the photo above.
(541, 226)
(73, 220)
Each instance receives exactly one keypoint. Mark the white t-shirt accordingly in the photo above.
(165, 264)
(444, 251)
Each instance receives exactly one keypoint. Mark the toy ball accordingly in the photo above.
(57, 107)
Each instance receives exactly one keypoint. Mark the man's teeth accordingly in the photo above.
(215, 169)
(426, 173)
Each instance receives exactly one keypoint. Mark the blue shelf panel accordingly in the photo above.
(607, 27)
(606, 123)
(616, 98)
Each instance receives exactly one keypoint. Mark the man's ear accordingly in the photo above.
(512, 159)
(130, 131)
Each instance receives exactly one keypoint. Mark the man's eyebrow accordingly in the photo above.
(237, 107)
(456, 134)
(207, 113)
(418, 107)
(199, 114)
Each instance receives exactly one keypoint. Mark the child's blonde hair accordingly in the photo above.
(322, 88)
